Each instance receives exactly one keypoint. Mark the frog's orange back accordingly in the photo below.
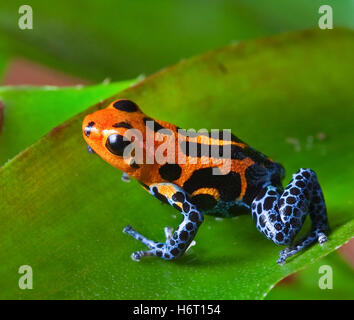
(163, 153)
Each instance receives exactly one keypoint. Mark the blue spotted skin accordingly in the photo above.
(178, 242)
(279, 215)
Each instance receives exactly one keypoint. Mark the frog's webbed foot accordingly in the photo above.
(138, 254)
(302, 244)
(181, 239)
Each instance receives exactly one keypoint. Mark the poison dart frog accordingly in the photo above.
(252, 184)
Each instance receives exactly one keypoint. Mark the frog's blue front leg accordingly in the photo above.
(280, 216)
(178, 242)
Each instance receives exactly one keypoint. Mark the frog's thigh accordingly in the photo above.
(280, 215)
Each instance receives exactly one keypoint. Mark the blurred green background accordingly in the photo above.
(119, 40)
(122, 39)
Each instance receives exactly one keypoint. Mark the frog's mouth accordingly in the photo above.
(90, 150)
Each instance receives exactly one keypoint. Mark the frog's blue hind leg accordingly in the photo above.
(176, 242)
(280, 215)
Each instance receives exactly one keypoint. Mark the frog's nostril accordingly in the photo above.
(88, 128)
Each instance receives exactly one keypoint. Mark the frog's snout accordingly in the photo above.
(87, 131)
(89, 128)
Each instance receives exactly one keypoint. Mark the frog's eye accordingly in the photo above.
(116, 144)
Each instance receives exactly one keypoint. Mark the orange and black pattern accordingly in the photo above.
(183, 175)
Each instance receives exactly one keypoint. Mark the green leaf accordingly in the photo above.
(34, 111)
(63, 210)
(127, 38)
(305, 284)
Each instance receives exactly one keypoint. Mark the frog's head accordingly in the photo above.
(110, 132)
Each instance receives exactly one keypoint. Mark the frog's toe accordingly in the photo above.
(285, 251)
(322, 238)
(281, 260)
(284, 254)
(136, 256)
(136, 235)
(128, 229)
(168, 232)
(125, 177)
